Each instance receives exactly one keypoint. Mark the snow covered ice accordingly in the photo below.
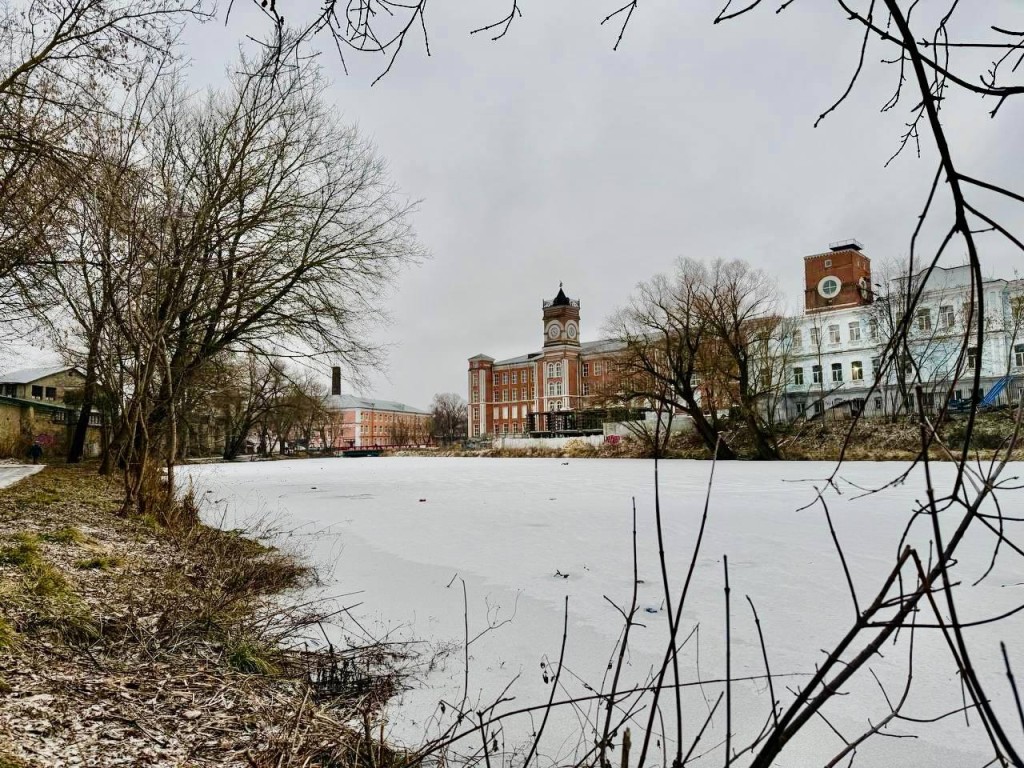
(522, 534)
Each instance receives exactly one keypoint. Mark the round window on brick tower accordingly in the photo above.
(828, 286)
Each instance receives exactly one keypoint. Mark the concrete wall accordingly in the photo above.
(523, 443)
(21, 425)
(680, 423)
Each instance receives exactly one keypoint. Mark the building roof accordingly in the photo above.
(560, 300)
(38, 404)
(519, 359)
(482, 356)
(348, 402)
(28, 375)
(602, 345)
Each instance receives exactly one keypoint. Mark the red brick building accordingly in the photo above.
(542, 392)
(366, 422)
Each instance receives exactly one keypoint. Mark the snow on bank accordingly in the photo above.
(523, 534)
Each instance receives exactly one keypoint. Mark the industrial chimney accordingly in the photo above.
(336, 380)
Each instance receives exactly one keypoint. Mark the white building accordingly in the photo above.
(840, 345)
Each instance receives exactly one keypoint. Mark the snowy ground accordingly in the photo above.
(405, 533)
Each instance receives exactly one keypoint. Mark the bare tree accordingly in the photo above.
(665, 333)
(59, 62)
(740, 307)
(449, 412)
(247, 221)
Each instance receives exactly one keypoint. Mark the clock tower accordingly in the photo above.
(561, 321)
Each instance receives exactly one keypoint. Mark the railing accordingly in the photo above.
(551, 302)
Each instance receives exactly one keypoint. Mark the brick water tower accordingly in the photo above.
(840, 277)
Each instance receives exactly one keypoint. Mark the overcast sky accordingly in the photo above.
(548, 157)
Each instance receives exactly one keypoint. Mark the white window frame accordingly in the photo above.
(837, 373)
(833, 334)
(947, 316)
(857, 371)
(855, 330)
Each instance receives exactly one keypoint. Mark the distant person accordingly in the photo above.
(35, 452)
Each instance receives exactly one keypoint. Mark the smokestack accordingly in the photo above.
(336, 380)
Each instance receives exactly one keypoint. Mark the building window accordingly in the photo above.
(815, 336)
(816, 374)
(873, 329)
(878, 403)
(856, 371)
(972, 359)
(51, 393)
(855, 330)
(1018, 355)
(497, 411)
(497, 378)
(837, 371)
(597, 369)
(946, 316)
(476, 396)
(37, 392)
(928, 400)
(515, 394)
(924, 319)
(513, 377)
(833, 334)
(476, 430)
(798, 375)
(819, 407)
(554, 388)
(797, 339)
(586, 388)
(801, 408)
(504, 429)
(504, 378)
(586, 369)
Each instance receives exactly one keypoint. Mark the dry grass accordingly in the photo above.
(163, 641)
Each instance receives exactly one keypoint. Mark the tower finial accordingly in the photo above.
(559, 285)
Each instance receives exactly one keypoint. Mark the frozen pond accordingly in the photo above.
(524, 534)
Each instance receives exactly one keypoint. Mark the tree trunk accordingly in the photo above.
(77, 447)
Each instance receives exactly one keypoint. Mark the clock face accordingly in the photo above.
(829, 286)
(570, 330)
(553, 330)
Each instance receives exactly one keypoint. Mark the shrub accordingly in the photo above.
(251, 658)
